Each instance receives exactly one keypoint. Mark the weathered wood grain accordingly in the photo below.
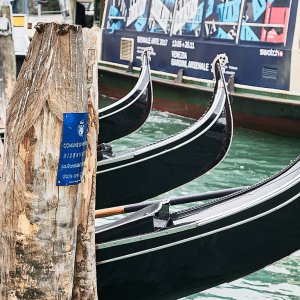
(38, 221)
(85, 269)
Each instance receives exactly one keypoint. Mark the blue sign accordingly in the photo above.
(72, 149)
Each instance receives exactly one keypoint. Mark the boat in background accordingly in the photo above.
(20, 30)
(27, 13)
(58, 11)
(14, 22)
(148, 171)
(129, 113)
(260, 40)
(155, 254)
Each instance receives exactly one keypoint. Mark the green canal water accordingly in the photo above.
(253, 156)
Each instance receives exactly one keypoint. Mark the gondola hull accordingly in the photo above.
(152, 177)
(129, 113)
(152, 170)
(127, 120)
(203, 248)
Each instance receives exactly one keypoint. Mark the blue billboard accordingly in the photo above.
(256, 36)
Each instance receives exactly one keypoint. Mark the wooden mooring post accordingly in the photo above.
(85, 286)
(7, 66)
(7, 60)
(39, 212)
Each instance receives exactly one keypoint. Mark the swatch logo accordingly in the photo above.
(271, 52)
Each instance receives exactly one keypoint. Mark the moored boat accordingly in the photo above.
(130, 112)
(155, 254)
(259, 39)
(26, 14)
(153, 169)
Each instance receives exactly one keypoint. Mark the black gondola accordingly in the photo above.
(129, 113)
(148, 171)
(153, 254)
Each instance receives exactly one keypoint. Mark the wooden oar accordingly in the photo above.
(105, 212)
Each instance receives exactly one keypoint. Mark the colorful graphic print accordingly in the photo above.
(252, 20)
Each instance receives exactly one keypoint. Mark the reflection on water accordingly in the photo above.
(253, 156)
